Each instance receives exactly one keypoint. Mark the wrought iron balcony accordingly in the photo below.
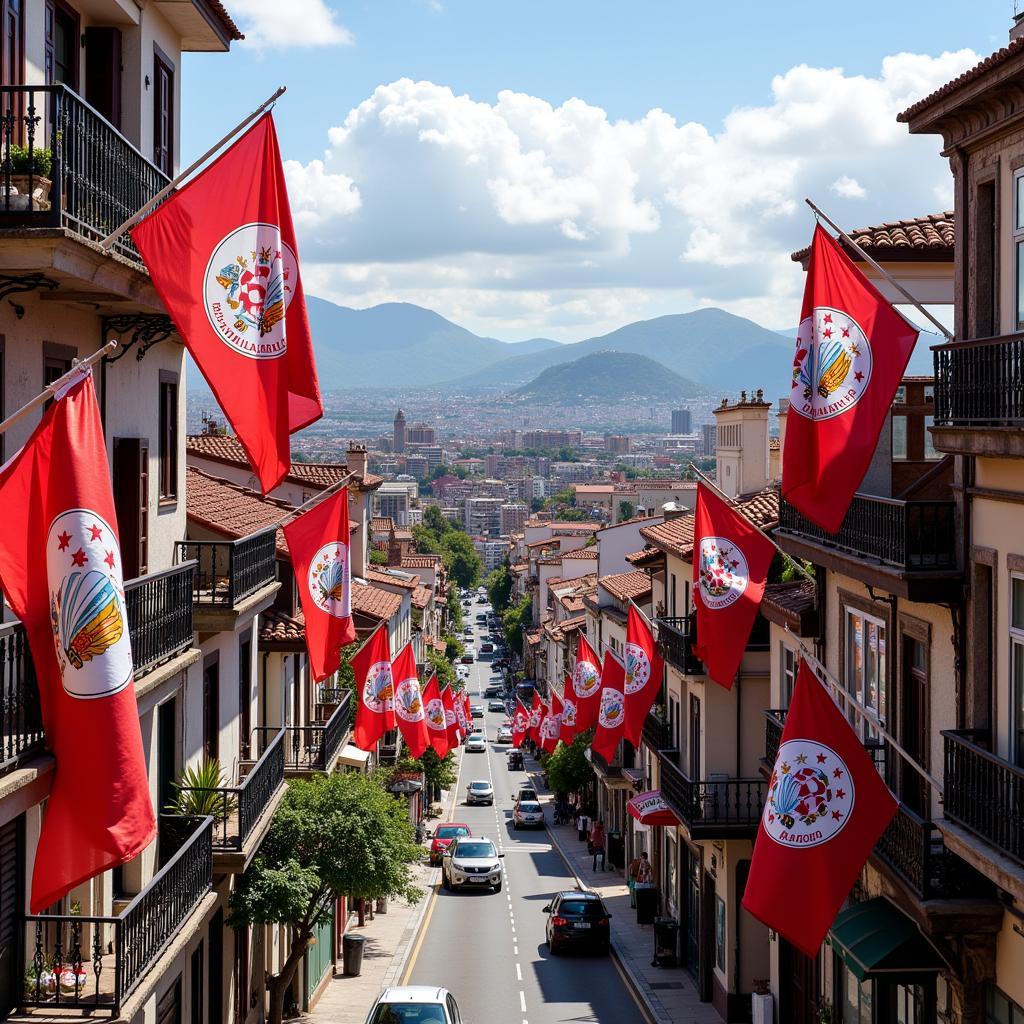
(96, 178)
(160, 615)
(21, 719)
(984, 793)
(656, 733)
(775, 721)
(314, 747)
(907, 535)
(714, 808)
(94, 963)
(389, 747)
(978, 383)
(677, 635)
(228, 571)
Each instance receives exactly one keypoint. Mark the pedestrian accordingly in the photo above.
(644, 872)
(582, 826)
(597, 844)
(631, 873)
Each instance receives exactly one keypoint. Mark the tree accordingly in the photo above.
(441, 665)
(461, 559)
(346, 677)
(438, 772)
(378, 557)
(435, 522)
(536, 504)
(573, 515)
(499, 588)
(455, 607)
(566, 496)
(626, 510)
(568, 769)
(514, 620)
(333, 836)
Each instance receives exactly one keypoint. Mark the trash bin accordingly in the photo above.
(646, 904)
(666, 929)
(382, 905)
(616, 850)
(352, 954)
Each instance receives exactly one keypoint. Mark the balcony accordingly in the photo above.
(160, 616)
(390, 747)
(677, 634)
(712, 809)
(656, 733)
(314, 748)
(906, 547)
(96, 178)
(96, 963)
(775, 722)
(21, 720)
(979, 396)
(241, 814)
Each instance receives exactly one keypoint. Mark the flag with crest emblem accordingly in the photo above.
(375, 712)
(645, 668)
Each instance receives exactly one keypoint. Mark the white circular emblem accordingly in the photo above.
(568, 712)
(551, 727)
(638, 668)
(534, 718)
(87, 606)
(408, 702)
(248, 287)
(435, 715)
(723, 572)
(810, 795)
(832, 365)
(378, 690)
(585, 679)
(613, 707)
(522, 722)
(460, 714)
(329, 580)
(449, 719)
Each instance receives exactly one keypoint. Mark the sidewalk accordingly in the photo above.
(669, 993)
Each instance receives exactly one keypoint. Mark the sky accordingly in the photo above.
(559, 169)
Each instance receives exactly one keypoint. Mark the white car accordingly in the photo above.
(528, 814)
(471, 861)
(476, 743)
(480, 791)
(415, 1004)
(504, 734)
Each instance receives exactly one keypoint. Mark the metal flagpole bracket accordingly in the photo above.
(146, 330)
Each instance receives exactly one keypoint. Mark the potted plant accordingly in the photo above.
(201, 791)
(24, 166)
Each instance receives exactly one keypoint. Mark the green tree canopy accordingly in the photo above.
(516, 618)
(461, 559)
(568, 769)
(566, 496)
(572, 515)
(455, 607)
(378, 557)
(438, 772)
(626, 510)
(499, 588)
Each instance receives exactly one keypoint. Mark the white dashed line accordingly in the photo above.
(519, 972)
(522, 1000)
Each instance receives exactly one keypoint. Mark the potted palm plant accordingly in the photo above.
(201, 791)
(30, 170)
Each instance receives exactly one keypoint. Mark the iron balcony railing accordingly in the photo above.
(677, 635)
(389, 747)
(711, 808)
(21, 717)
(95, 963)
(96, 178)
(313, 747)
(229, 571)
(980, 383)
(909, 535)
(160, 615)
(656, 733)
(984, 793)
(774, 723)
(236, 809)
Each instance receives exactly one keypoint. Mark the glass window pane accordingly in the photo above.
(1018, 184)
(866, 991)
(899, 437)
(1017, 602)
(851, 999)
(1020, 283)
(1017, 668)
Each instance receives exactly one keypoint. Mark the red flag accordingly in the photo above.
(730, 568)
(611, 713)
(462, 714)
(412, 721)
(221, 252)
(375, 713)
(645, 669)
(551, 727)
(568, 730)
(852, 349)
(520, 723)
(451, 720)
(826, 808)
(586, 685)
(536, 717)
(319, 544)
(60, 564)
(437, 726)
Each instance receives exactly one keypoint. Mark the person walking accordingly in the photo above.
(582, 825)
(597, 844)
(644, 873)
(631, 873)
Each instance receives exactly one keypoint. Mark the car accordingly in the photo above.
(528, 814)
(445, 834)
(496, 705)
(467, 631)
(480, 791)
(576, 918)
(472, 861)
(467, 658)
(527, 793)
(504, 734)
(476, 710)
(481, 618)
(515, 760)
(476, 743)
(493, 690)
(486, 647)
(414, 1004)
(481, 600)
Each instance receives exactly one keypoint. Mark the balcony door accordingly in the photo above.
(12, 60)
(103, 71)
(12, 871)
(131, 500)
(211, 706)
(914, 723)
(693, 766)
(61, 31)
(163, 112)
(799, 987)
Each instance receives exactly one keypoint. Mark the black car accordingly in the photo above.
(515, 760)
(579, 919)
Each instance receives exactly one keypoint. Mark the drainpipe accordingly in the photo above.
(739, 701)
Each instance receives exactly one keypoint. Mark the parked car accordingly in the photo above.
(481, 600)
(493, 690)
(476, 743)
(496, 705)
(467, 631)
(479, 791)
(504, 734)
(487, 647)
(515, 760)
(481, 618)
(415, 1004)
(476, 710)
(467, 658)
(445, 834)
(471, 861)
(576, 918)
(527, 794)
(528, 814)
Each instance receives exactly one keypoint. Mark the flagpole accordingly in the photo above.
(850, 701)
(767, 536)
(881, 270)
(107, 242)
(51, 390)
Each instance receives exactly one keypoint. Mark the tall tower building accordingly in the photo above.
(399, 443)
(681, 421)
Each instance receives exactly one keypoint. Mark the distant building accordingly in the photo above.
(493, 552)
(682, 421)
(434, 454)
(618, 444)
(417, 466)
(742, 445)
(394, 498)
(552, 438)
(709, 432)
(420, 433)
(512, 517)
(398, 444)
(483, 516)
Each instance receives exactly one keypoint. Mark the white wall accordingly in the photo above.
(615, 542)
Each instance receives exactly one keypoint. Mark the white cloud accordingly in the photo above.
(520, 216)
(295, 23)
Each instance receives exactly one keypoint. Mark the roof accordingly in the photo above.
(227, 23)
(648, 556)
(557, 527)
(393, 579)
(791, 604)
(931, 235)
(519, 567)
(230, 510)
(421, 597)
(382, 524)
(663, 485)
(420, 561)
(374, 602)
(674, 536)
(549, 541)
(277, 627)
(627, 586)
(574, 554)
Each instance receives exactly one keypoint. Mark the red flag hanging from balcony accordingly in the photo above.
(412, 720)
(319, 545)
(462, 714)
(586, 684)
(731, 559)
(375, 713)
(569, 727)
(520, 723)
(645, 669)
(222, 255)
(451, 718)
(60, 565)
(852, 349)
(826, 808)
(437, 725)
(611, 712)
(536, 717)
(551, 728)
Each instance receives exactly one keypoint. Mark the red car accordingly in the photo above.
(443, 835)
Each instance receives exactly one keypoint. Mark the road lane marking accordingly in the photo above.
(519, 972)
(515, 950)
(422, 935)
(522, 1000)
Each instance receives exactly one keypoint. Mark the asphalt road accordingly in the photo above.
(488, 948)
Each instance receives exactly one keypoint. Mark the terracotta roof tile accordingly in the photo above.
(401, 579)
(575, 554)
(519, 567)
(374, 602)
(933, 234)
(626, 586)
(674, 536)
(403, 534)
(219, 11)
(791, 604)
(549, 541)
(280, 627)
(230, 510)
(421, 597)
(563, 528)
(645, 557)
(420, 561)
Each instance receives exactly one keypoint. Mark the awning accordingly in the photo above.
(650, 809)
(877, 940)
(636, 777)
(353, 756)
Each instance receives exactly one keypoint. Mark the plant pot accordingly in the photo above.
(40, 199)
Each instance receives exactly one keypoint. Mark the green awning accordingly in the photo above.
(877, 940)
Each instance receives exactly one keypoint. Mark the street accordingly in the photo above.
(488, 948)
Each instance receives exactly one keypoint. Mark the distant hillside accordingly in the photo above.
(607, 377)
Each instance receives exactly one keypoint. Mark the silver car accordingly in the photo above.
(480, 792)
(415, 1004)
(528, 814)
(504, 734)
(471, 861)
(476, 743)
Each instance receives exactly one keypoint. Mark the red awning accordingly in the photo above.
(650, 809)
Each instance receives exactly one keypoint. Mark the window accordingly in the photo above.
(901, 395)
(1017, 669)
(1018, 243)
(865, 667)
(787, 675)
(899, 438)
(168, 436)
(163, 112)
(1000, 1009)
(929, 448)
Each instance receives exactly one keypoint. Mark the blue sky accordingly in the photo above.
(499, 162)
